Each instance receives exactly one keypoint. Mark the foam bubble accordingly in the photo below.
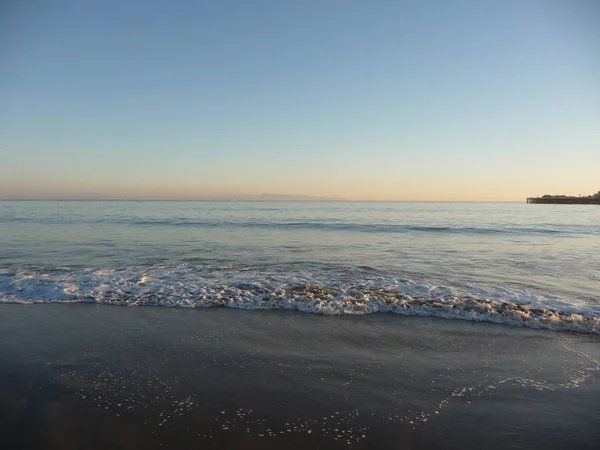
(355, 292)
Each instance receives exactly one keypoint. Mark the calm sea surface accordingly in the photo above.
(458, 260)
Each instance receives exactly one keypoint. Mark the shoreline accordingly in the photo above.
(477, 311)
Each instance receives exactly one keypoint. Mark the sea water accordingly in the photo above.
(512, 263)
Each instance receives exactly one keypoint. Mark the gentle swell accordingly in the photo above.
(314, 226)
(343, 226)
(354, 292)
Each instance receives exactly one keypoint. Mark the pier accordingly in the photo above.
(566, 199)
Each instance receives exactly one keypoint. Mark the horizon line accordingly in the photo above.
(246, 200)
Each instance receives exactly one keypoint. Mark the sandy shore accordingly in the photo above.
(97, 377)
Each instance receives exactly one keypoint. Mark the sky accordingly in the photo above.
(360, 100)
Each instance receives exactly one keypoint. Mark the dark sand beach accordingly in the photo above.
(96, 377)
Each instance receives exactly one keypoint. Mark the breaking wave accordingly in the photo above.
(354, 291)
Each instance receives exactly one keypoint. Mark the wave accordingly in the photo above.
(313, 225)
(356, 291)
(345, 226)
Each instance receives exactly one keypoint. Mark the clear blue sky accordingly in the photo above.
(466, 100)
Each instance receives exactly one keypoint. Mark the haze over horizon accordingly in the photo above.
(353, 100)
(265, 197)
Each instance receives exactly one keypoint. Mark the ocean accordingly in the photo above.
(530, 265)
(266, 328)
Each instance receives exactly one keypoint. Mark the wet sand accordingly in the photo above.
(96, 377)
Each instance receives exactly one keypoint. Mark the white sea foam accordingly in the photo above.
(331, 293)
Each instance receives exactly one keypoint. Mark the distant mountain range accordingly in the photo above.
(224, 197)
(279, 198)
